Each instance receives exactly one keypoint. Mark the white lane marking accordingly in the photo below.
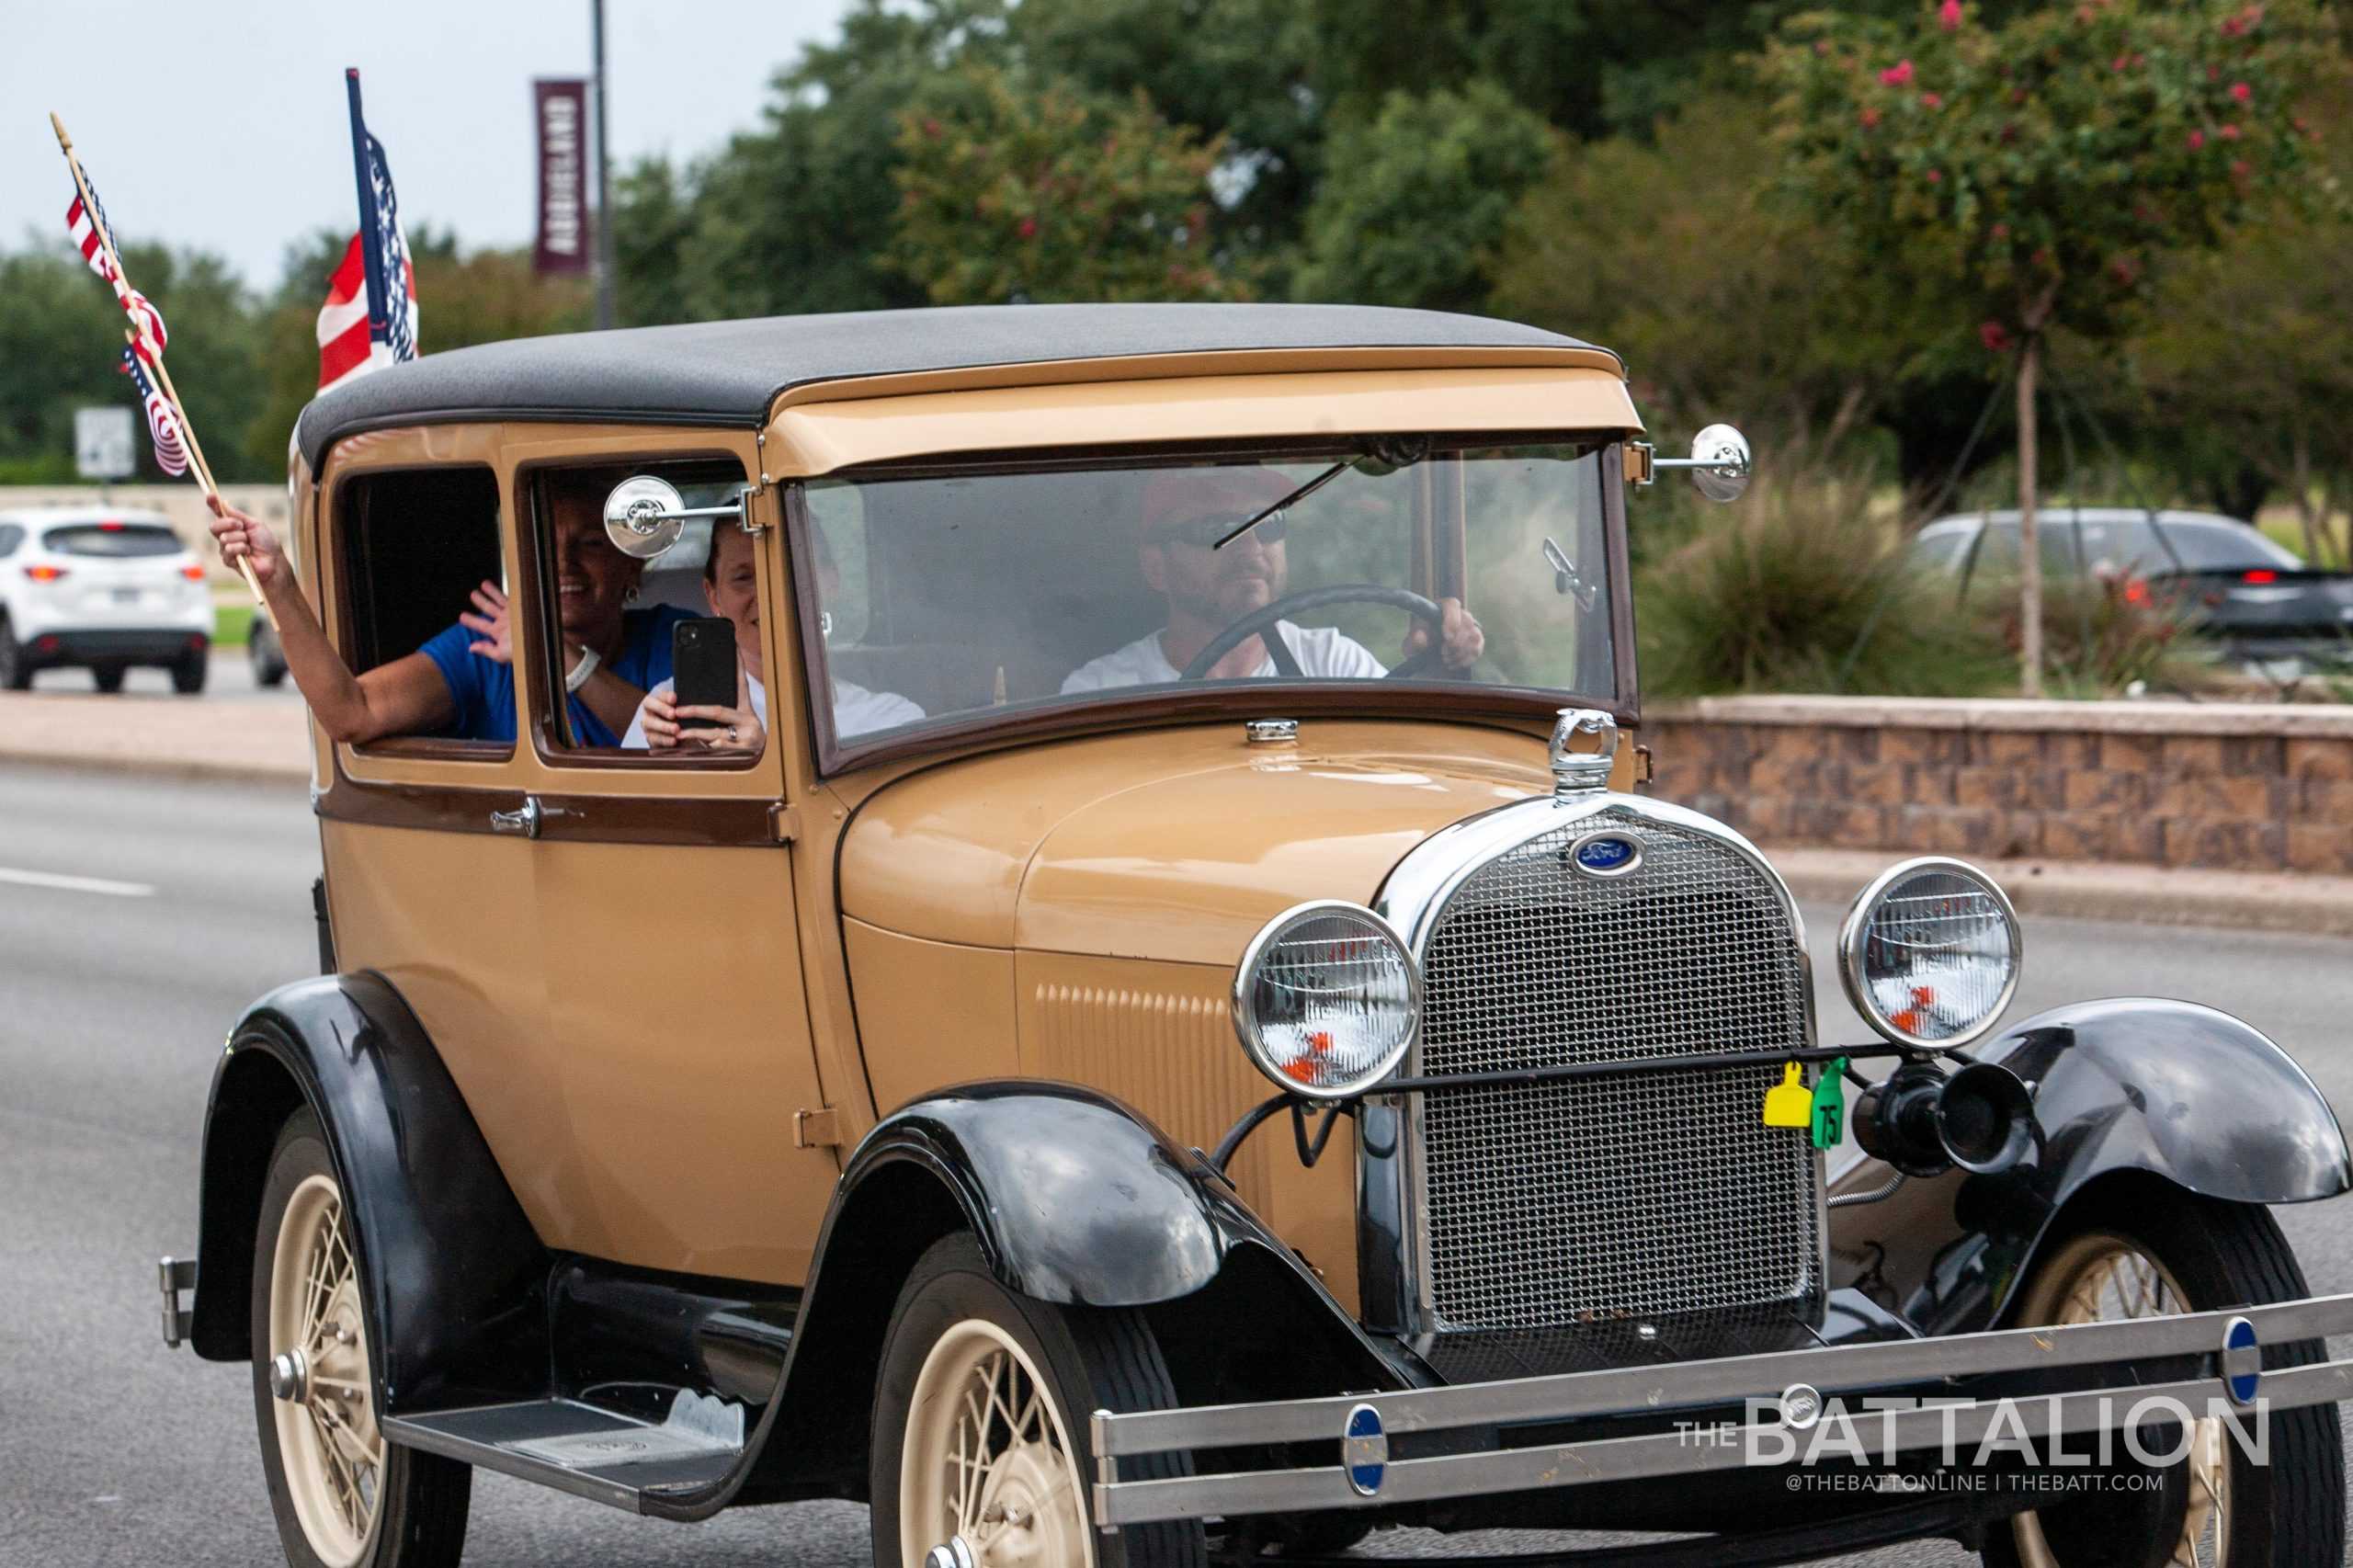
(75, 884)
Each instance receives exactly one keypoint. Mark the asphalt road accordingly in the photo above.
(190, 899)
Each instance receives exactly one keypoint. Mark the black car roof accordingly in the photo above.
(730, 372)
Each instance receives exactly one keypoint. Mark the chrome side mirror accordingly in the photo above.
(1719, 462)
(645, 516)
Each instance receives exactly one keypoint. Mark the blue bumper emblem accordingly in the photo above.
(1364, 1450)
(2242, 1361)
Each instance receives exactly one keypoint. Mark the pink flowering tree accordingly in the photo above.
(2037, 175)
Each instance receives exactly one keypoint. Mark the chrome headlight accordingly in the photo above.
(1930, 953)
(1327, 999)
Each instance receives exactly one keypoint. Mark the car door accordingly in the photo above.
(422, 886)
(665, 924)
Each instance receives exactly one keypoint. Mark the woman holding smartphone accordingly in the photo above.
(731, 586)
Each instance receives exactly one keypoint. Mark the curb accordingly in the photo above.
(200, 769)
(171, 737)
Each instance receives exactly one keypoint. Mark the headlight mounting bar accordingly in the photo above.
(1515, 1077)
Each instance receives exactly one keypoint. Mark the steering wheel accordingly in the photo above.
(1259, 619)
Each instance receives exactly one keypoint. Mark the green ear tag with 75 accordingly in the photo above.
(1829, 1120)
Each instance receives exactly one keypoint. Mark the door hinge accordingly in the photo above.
(815, 1130)
(784, 823)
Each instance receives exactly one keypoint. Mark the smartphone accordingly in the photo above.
(702, 666)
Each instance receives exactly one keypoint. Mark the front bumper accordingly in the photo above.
(2097, 1360)
(69, 646)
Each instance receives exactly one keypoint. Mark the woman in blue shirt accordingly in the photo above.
(460, 684)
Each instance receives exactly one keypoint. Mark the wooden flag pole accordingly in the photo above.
(164, 378)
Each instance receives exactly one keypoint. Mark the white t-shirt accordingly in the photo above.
(1322, 650)
(855, 710)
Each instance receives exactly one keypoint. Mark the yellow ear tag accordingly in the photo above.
(1789, 1102)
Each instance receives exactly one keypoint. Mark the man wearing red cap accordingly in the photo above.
(1186, 512)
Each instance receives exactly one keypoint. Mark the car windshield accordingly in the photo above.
(947, 594)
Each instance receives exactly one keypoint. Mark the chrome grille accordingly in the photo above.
(1650, 1193)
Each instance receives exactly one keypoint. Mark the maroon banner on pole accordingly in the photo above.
(560, 113)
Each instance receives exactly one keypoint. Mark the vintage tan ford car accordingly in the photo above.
(1172, 1031)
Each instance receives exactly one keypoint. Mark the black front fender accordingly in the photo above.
(454, 1272)
(1074, 1198)
(2127, 1087)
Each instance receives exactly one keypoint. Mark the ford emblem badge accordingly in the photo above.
(1605, 854)
(2242, 1361)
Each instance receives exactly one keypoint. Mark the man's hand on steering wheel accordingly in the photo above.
(1458, 641)
(1461, 641)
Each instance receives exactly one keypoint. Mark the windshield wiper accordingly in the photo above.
(1310, 488)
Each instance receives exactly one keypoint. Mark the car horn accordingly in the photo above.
(1923, 1122)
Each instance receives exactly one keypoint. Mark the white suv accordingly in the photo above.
(102, 590)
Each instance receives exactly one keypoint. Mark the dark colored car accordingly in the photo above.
(2256, 598)
(265, 653)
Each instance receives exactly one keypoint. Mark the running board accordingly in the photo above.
(583, 1450)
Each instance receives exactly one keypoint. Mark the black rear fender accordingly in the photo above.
(456, 1276)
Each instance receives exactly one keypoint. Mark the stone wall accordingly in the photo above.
(2245, 786)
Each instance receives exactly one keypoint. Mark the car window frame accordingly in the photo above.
(335, 559)
(546, 722)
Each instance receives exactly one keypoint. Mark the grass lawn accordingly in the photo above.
(230, 623)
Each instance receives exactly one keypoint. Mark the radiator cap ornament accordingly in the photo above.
(1577, 771)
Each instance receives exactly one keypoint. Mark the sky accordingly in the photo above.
(222, 125)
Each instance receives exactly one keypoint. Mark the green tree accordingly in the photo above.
(1012, 188)
(2036, 173)
(60, 344)
(1724, 302)
(1240, 71)
(797, 216)
(1414, 200)
(462, 300)
(2248, 345)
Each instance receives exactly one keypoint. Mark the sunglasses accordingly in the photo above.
(1206, 531)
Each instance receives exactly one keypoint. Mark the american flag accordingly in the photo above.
(92, 238)
(163, 424)
(349, 343)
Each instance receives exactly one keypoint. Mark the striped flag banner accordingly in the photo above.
(92, 235)
(163, 424)
(370, 317)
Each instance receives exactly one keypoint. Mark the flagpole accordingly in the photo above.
(106, 240)
(371, 236)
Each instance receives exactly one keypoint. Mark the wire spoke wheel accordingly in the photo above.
(2105, 1277)
(987, 1460)
(328, 1440)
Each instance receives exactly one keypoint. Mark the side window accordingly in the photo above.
(413, 549)
(682, 627)
(11, 536)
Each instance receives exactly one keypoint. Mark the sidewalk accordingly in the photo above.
(271, 740)
(181, 735)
